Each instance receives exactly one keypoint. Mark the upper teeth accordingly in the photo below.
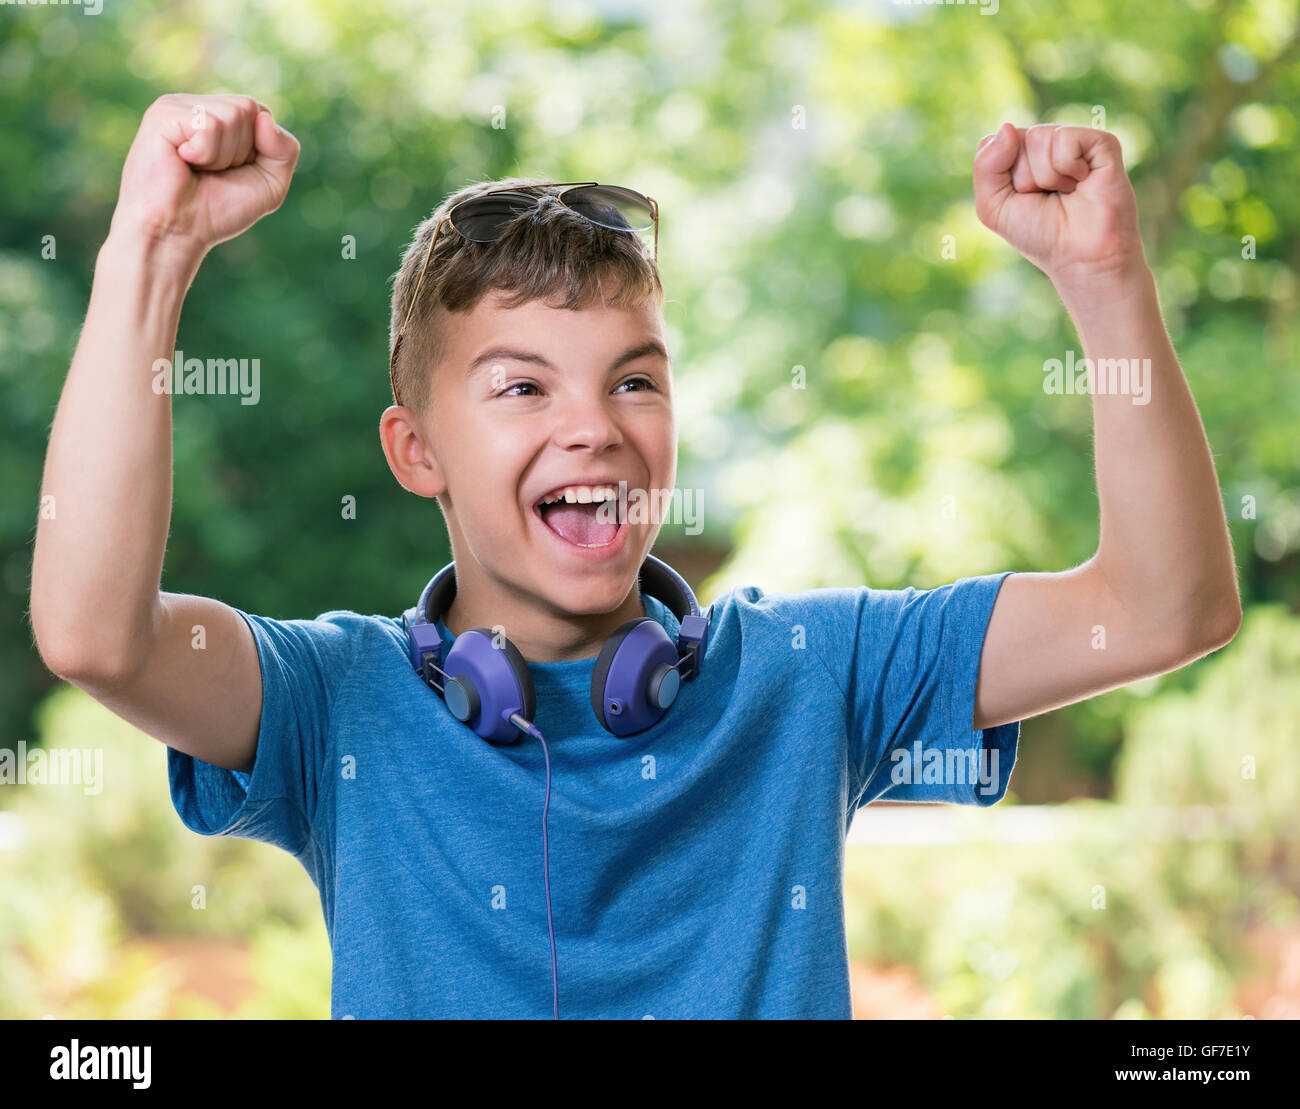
(581, 494)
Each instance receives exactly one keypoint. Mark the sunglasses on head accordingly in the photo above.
(483, 218)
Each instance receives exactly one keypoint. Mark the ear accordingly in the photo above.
(411, 460)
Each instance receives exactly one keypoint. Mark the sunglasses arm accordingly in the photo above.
(415, 296)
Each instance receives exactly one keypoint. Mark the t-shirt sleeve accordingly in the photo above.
(303, 663)
(907, 664)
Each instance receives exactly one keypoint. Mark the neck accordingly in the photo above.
(541, 632)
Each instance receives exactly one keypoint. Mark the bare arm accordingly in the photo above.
(1161, 590)
(201, 169)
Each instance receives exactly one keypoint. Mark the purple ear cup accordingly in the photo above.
(640, 669)
(635, 678)
(486, 685)
(634, 681)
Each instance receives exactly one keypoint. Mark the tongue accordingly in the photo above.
(578, 524)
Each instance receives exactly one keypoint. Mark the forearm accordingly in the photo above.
(1164, 546)
(107, 486)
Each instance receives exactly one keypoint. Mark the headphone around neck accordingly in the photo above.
(633, 683)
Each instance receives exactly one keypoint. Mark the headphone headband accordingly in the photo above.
(656, 577)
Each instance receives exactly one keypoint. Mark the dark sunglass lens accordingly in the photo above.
(611, 206)
(483, 218)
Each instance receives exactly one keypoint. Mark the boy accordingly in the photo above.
(697, 864)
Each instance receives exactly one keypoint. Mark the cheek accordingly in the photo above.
(661, 454)
(492, 480)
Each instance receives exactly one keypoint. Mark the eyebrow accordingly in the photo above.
(498, 354)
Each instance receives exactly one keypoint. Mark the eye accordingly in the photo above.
(509, 390)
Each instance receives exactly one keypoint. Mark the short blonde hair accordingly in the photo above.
(550, 253)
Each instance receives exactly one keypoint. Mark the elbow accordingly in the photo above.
(76, 659)
(1209, 626)
(85, 669)
(57, 650)
(1224, 628)
(95, 655)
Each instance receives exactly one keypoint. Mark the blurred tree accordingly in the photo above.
(813, 168)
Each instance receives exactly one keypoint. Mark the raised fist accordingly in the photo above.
(1060, 196)
(202, 169)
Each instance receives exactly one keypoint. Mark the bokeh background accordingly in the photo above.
(812, 162)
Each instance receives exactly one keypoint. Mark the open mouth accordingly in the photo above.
(590, 524)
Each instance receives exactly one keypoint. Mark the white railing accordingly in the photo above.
(924, 824)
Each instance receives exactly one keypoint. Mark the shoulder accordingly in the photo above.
(831, 607)
(363, 631)
(851, 609)
(762, 619)
(843, 629)
(340, 637)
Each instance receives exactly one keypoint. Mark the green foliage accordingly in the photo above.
(1142, 908)
(999, 930)
(811, 166)
(96, 873)
(1232, 741)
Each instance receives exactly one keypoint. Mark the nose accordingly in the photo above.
(586, 421)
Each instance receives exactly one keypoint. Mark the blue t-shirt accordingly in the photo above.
(696, 868)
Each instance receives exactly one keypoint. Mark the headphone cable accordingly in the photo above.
(531, 729)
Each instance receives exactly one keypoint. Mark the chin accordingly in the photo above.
(594, 601)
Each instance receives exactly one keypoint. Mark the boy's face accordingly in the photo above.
(529, 399)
